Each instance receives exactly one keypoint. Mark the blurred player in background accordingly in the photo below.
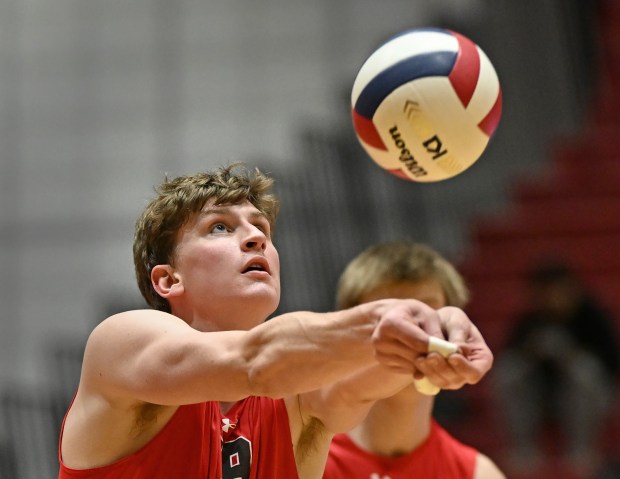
(399, 439)
(560, 364)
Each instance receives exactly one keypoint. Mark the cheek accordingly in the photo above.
(274, 263)
(202, 263)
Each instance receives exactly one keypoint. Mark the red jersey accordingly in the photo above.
(251, 441)
(441, 456)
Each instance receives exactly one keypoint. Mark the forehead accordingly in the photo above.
(428, 291)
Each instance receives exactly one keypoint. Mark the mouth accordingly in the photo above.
(256, 264)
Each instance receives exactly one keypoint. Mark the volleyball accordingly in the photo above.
(426, 103)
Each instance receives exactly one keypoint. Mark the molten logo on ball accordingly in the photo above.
(425, 104)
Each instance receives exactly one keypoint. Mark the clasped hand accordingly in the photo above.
(401, 337)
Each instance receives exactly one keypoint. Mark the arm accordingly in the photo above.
(154, 357)
(343, 405)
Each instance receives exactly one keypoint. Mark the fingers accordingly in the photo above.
(455, 369)
(408, 339)
(428, 319)
(397, 343)
(404, 330)
(456, 324)
(477, 358)
(439, 370)
(402, 334)
(472, 368)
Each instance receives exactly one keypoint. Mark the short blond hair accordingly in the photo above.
(399, 261)
(177, 201)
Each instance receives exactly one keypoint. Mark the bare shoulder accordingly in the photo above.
(487, 469)
(123, 423)
(121, 337)
(128, 323)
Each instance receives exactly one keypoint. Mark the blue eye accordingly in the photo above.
(219, 228)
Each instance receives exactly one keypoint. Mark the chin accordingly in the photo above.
(268, 298)
(267, 308)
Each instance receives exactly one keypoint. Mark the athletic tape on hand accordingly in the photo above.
(443, 347)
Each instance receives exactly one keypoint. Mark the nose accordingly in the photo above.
(255, 239)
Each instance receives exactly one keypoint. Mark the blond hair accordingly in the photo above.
(399, 261)
(177, 201)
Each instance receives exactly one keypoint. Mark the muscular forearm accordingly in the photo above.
(155, 357)
(302, 351)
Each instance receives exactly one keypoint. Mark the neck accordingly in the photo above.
(396, 425)
(225, 406)
(213, 320)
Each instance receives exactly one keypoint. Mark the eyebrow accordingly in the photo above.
(228, 210)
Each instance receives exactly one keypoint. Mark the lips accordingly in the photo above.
(256, 264)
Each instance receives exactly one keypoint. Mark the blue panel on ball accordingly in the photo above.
(419, 66)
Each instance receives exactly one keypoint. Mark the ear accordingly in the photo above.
(166, 282)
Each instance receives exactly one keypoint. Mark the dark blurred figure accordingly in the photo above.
(559, 367)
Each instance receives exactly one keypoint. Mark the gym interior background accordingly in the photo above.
(100, 100)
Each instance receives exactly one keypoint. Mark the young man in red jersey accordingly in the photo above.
(399, 439)
(202, 386)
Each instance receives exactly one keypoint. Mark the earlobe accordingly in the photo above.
(165, 281)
